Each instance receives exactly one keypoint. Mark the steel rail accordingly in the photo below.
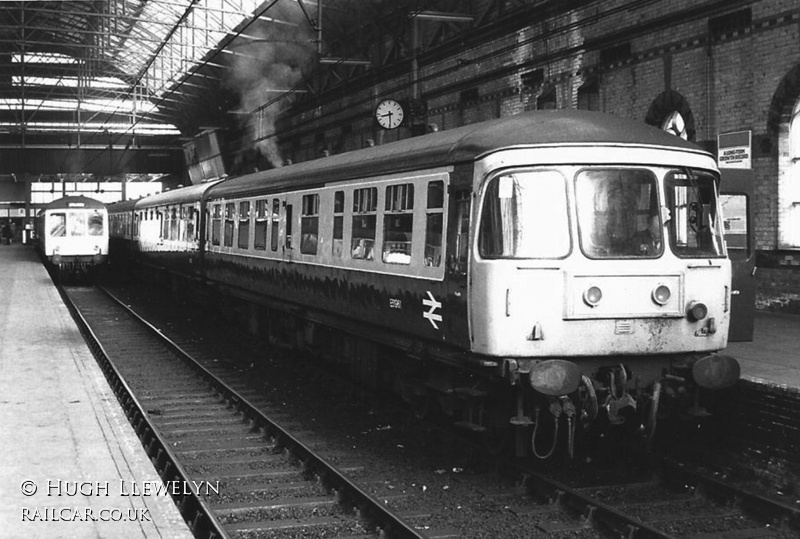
(592, 510)
(671, 472)
(373, 511)
(195, 511)
(752, 502)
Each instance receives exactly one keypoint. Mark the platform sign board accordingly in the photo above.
(735, 150)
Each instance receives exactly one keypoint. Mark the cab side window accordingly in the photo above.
(458, 261)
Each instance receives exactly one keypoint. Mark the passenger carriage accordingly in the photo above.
(494, 270)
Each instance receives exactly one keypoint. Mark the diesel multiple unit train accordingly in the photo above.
(556, 268)
(72, 235)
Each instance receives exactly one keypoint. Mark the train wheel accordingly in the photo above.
(496, 439)
(416, 396)
(421, 405)
(498, 429)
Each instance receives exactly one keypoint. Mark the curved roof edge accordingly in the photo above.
(463, 144)
(79, 201)
(176, 196)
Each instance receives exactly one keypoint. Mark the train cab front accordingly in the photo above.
(601, 288)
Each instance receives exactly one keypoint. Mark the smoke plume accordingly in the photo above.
(272, 58)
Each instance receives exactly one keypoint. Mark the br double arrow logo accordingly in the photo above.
(432, 306)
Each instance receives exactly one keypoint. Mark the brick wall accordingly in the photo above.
(778, 281)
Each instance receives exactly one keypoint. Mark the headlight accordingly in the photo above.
(661, 294)
(592, 296)
(696, 311)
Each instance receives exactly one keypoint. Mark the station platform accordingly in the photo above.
(773, 357)
(69, 459)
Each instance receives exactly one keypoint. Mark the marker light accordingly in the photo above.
(661, 294)
(592, 296)
(696, 311)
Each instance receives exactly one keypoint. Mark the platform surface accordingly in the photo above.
(774, 355)
(64, 439)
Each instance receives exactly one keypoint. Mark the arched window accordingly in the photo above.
(589, 95)
(671, 112)
(789, 188)
(547, 100)
(675, 124)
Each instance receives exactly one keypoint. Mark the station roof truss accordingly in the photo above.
(128, 73)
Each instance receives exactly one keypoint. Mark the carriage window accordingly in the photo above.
(260, 232)
(173, 224)
(694, 225)
(338, 224)
(182, 223)
(230, 214)
(398, 224)
(276, 215)
(58, 225)
(434, 221)
(289, 221)
(525, 216)
(190, 224)
(618, 213)
(309, 225)
(365, 205)
(163, 218)
(243, 242)
(216, 224)
(95, 223)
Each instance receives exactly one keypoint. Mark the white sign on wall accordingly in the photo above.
(735, 150)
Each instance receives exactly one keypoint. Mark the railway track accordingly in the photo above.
(659, 500)
(662, 499)
(237, 472)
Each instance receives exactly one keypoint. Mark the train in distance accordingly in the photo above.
(72, 236)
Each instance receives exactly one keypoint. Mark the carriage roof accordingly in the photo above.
(459, 145)
(74, 202)
(182, 195)
(122, 206)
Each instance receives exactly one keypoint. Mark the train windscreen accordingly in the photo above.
(618, 213)
(525, 215)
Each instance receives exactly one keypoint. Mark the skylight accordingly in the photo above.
(89, 97)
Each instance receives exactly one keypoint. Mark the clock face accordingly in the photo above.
(389, 114)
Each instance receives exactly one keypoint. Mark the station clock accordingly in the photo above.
(389, 114)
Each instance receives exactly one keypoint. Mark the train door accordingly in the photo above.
(457, 259)
(736, 197)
